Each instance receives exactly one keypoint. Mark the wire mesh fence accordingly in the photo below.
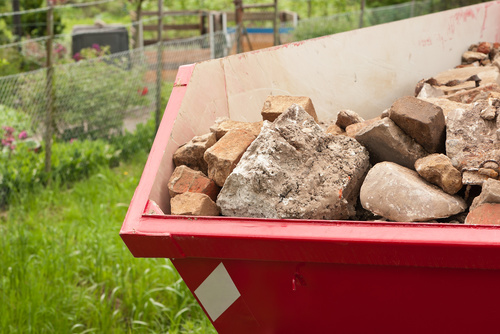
(100, 97)
(322, 26)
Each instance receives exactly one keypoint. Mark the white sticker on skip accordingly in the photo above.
(217, 292)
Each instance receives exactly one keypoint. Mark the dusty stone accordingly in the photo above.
(459, 87)
(471, 140)
(295, 170)
(485, 214)
(275, 105)
(496, 62)
(226, 125)
(429, 91)
(491, 173)
(485, 62)
(191, 153)
(224, 155)
(475, 94)
(471, 56)
(484, 47)
(472, 177)
(487, 75)
(385, 113)
(446, 105)
(185, 179)
(490, 193)
(193, 204)
(387, 142)
(347, 117)
(352, 129)
(421, 120)
(335, 130)
(489, 113)
(400, 194)
(437, 169)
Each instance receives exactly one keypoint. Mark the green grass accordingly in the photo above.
(64, 268)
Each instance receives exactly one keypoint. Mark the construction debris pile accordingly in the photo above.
(432, 157)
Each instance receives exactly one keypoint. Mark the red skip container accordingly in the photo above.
(307, 276)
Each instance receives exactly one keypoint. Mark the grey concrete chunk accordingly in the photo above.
(470, 139)
(400, 194)
(296, 170)
(387, 142)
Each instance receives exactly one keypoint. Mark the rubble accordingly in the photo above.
(437, 169)
(193, 204)
(421, 120)
(400, 194)
(446, 105)
(185, 179)
(335, 130)
(484, 214)
(387, 142)
(223, 156)
(471, 140)
(291, 165)
(191, 153)
(275, 105)
(353, 129)
(490, 193)
(428, 91)
(471, 56)
(295, 170)
(348, 117)
(223, 126)
(475, 94)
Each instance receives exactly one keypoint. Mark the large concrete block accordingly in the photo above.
(295, 170)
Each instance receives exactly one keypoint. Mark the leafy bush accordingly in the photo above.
(14, 118)
(325, 26)
(129, 143)
(22, 168)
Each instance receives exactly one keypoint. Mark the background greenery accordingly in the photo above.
(64, 268)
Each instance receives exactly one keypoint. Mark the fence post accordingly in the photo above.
(211, 36)
(226, 34)
(159, 64)
(362, 13)
(141, 34)
(49, 88)
(238, 17)
(276, 24)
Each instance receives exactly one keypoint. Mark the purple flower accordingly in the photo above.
(9, 130)
(23, 135)
(96, 47)
(77, 56)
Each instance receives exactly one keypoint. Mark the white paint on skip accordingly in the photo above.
(217, 292)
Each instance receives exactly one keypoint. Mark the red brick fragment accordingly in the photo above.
(185, 179)
(485, 214)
